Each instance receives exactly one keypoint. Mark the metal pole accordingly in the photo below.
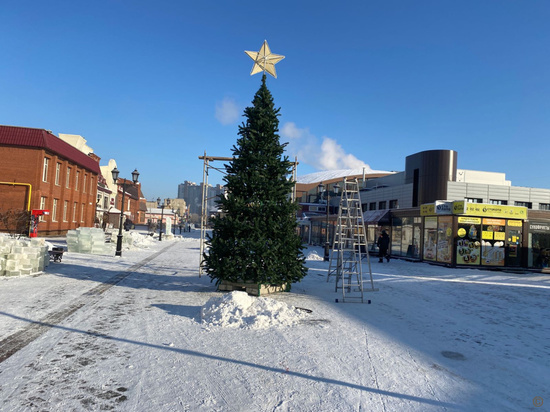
(327, 246)
(161, 217)
(119, 237)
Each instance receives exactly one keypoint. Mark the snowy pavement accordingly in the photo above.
(125, 334)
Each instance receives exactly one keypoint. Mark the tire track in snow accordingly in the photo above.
(373, 370)
(14, 343)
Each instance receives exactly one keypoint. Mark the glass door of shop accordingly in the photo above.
(513, 243)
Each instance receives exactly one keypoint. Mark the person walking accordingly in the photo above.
(383, 244)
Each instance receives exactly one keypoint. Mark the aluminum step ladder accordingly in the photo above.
(350, 242)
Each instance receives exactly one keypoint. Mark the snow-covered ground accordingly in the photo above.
(144, 333)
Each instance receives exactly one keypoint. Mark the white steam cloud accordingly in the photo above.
(328, 155)
(227, 111)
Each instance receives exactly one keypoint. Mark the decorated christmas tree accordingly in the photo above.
(254, 239)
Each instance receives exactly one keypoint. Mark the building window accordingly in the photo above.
(45, 170)
(105, 202)
(544, 206)
(82, 212)
(498, 202)
(528, 205)
(65, 210)
(382, 205)
(57, 173)
(67, 183)
(76, 181)
(84, 183)
(42, 207)
(393, 204)
(91, 184)
(372, 206)
(473, 200)
(54, 210)
(74, 212)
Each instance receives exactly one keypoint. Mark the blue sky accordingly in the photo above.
(155, 84)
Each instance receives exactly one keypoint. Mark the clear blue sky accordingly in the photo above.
(154, 84)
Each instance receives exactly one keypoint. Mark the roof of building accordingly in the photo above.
(43, 139)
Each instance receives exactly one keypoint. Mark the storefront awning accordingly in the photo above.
(376, 217)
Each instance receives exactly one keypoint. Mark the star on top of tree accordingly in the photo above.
(264, 60)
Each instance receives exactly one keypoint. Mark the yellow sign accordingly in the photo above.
(470, 220)
(427, 209)
(459, 208)
(500, 236)
(517, 223)
(461, 232)
(482, 209)
(487, 235)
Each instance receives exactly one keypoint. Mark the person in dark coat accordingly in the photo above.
(383, 244)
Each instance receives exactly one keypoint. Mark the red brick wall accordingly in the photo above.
(25, 165)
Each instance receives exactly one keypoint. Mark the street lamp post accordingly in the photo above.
(135, 175)
(162, 206)
(321, 189)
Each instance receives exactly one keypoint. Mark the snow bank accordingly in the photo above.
(314, 256)
(239, 310)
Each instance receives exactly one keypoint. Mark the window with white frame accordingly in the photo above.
(45, 169)
(57, 173)
(84, 183)
(76, 181)
(82, 212)
(68, 181)
(65, 210)
(498, 202)
(42, 207)
(54, 210)
(74, 212)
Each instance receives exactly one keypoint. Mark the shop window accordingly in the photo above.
(473, 200)
(45, 170)
(372, 206)
(382, 205)
(57, 173)
(393, 204)
(498, 202)
(528, 205)
(544, 206)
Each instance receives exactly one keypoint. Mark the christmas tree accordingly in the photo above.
(254, 239)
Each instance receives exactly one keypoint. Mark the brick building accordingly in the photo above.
(41, 171)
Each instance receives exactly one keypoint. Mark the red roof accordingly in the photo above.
(43, 139)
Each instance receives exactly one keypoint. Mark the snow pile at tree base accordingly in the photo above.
(314, 256)
(239, 310)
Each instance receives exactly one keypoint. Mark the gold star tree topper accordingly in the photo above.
(264, 60)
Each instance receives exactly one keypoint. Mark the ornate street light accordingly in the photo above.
(166, 203)
(115, 173)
